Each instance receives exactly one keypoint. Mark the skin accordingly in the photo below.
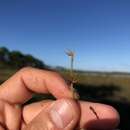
(20, 87)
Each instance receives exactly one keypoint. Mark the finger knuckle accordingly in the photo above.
(56, 74)
(25, 69)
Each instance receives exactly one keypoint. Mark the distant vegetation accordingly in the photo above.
(16, 59)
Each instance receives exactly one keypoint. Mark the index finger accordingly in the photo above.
(20, 87)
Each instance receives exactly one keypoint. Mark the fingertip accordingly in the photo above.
(112, 115)
(57, 86)
(108, 117)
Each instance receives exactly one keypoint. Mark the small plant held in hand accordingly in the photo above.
(73, 80)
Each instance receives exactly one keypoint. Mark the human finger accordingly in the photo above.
(10, 116)
(108, 118)
(19, 88)
(62, 114)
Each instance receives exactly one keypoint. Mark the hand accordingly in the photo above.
(62, 114)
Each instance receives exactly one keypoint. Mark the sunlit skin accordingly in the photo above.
(20, 87)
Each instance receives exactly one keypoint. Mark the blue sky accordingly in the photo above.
(97, 30)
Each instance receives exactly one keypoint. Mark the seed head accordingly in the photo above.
(70, 53)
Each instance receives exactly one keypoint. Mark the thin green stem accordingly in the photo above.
(71, 67)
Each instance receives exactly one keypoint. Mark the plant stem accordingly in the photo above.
(71, 67)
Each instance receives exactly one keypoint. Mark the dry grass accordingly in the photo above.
(122, 82)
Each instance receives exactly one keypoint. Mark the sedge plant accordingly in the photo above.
(73, 80)
(71, 55)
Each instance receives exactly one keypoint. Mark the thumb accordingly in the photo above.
(63, 114)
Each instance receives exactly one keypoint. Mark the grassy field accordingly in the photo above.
(117, 84)
(110, 85)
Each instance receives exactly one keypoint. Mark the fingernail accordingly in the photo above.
(61, 113)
